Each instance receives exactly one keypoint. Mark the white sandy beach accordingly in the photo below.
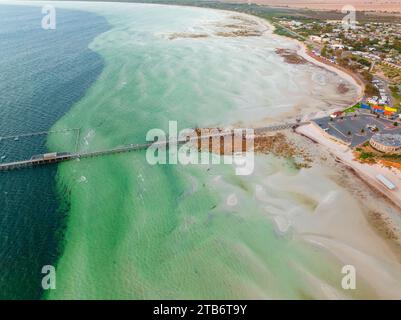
(345, 230)
(366, 171)
(340, 225)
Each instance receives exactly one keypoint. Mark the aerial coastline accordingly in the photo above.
(317, 135)
(296, 146)
(366, 172)
(135, 231)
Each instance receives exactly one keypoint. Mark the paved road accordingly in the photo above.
(384, 85)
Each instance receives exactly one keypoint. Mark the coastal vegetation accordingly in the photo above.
(291, 57)
(396, 93)
(353, 108)
(392, 73)
(268, 12)
(367, 154)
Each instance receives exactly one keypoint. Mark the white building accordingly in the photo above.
(337, 46)
(315, 39)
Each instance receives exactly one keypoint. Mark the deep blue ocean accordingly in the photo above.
(42, 74)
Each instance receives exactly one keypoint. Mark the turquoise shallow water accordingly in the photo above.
(139, 231)
(42, 74)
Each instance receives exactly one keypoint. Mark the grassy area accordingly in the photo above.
(396, 97)
(393, 74)
(353, 108)
(284, 32)
(392, 157)
(367, 154)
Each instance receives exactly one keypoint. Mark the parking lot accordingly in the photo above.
(342, 127)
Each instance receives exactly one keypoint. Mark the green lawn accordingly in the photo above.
(353, 108)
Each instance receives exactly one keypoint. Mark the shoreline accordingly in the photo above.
(357, 167)
(365, 174)
(354, 231)
(337, 69)
(365, 171)
(354, 165)
(374, 243)
(305, 53)
(302, 51)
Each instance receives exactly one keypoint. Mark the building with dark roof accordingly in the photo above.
(387, 143)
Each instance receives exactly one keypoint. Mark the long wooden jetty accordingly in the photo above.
(55, 157)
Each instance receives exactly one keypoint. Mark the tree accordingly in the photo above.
(367, 76)
(364, 62)
(324, 51)
(371, 90)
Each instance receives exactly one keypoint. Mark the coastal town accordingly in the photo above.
(365, 136)
(370, 51)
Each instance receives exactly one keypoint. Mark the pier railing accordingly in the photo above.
(65, 156)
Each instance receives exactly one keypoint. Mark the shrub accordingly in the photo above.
(366, 155)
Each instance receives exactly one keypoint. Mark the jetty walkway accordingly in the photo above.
(48, 158)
